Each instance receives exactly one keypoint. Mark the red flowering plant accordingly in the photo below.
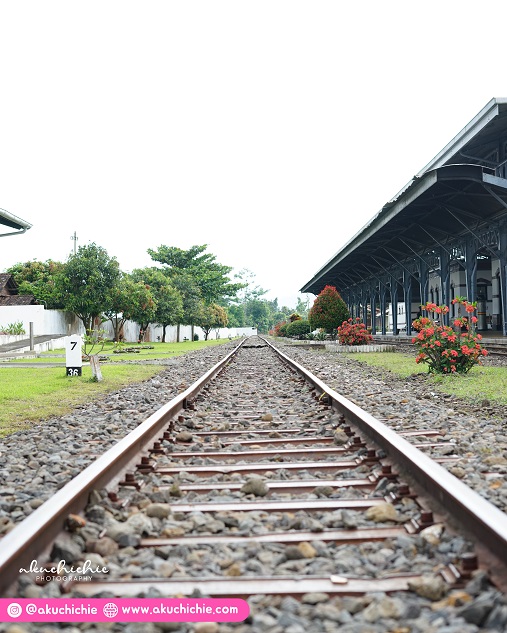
(448, 350)
(279, 329)
(353, 332)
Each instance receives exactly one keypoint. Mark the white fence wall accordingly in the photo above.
(62, 323)
(131, 332)
(44, 321)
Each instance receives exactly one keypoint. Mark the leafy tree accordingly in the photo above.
(329, 310)
(236, 315)
(39, 279)
(248, 291)
(193, 303)
(86, 283)
(170, 307)
(303, 307)
(132, 301)
(257, 314)
(212, 317)
(210, 277)
(169, 300)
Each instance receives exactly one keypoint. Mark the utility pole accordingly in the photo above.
(74, 237)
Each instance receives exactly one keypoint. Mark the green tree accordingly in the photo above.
(212, 317)
(236, 315)
(250, 290)
(168, 299)
(170, 308)
(193, 303)
(257, 314)
(303, 307)
(39, 279)
(130, 300)
(329, 310)
(86, 283)
(211, 277)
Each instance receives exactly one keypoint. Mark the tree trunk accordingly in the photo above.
(95, 365)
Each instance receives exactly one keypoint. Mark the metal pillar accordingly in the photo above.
(382, 309)
(471, 270)
(407, 291)
(445, 279)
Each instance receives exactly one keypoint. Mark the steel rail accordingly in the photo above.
(37, 532)
(464, 506)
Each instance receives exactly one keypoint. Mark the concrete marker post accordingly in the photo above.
(73, 355)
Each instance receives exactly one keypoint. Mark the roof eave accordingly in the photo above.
(478, 123)
(383, 217)
(12, 221)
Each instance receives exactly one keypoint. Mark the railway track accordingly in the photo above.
(261, 482)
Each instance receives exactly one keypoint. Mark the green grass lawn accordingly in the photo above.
(159, 351)
(29, 395)
(481, 383)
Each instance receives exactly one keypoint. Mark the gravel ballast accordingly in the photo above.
(37, 462)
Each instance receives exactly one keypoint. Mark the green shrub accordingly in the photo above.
(329, 310)
(298, 329)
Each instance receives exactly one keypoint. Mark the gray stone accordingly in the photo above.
(184, 436)
(431, 587)
(65, 549)
(158, 510)
(314, 598)
(104, 546)
(256, 487)
(96, 513)
(478, 610)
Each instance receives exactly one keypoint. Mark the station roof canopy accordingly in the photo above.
(13, 222)
(459, 190)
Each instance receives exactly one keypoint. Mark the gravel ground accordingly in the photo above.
(34, 466)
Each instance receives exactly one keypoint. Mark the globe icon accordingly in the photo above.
(110, 610)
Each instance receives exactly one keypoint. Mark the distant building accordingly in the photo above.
(9, 293)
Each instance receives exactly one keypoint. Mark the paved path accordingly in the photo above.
(10, 347)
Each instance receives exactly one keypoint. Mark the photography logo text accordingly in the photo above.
(63, 572)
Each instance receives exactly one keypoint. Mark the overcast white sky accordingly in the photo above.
(270, 130)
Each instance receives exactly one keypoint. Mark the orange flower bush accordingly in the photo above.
(353, 333)
(444, 349)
